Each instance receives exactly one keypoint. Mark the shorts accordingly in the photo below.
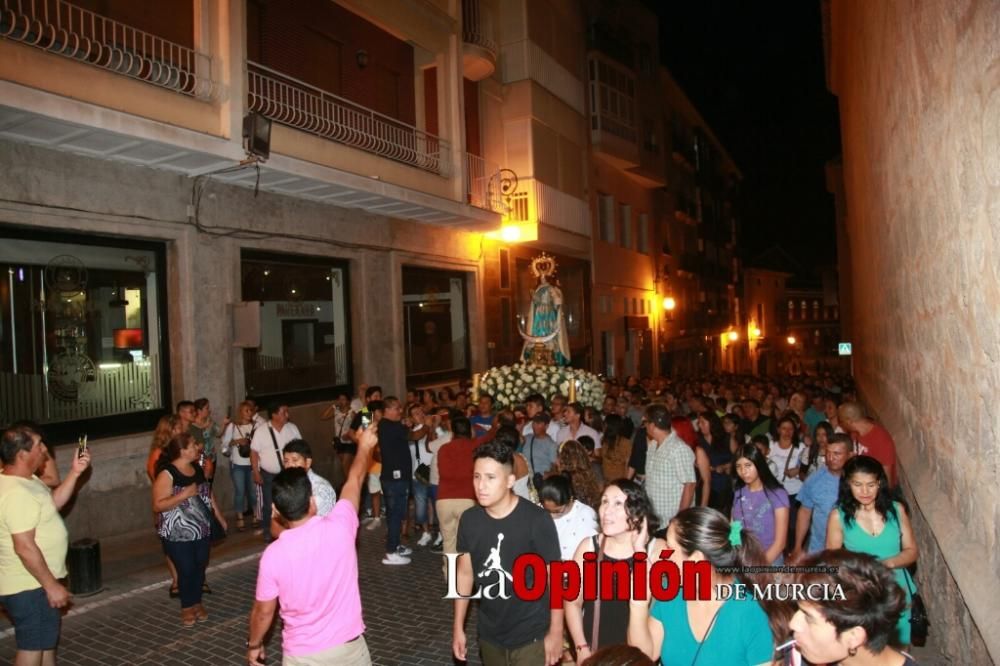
(36, 623)
(374, 485)
(346, 447)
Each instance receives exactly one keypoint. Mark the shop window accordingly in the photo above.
(435, 325)
(304, 353)
(82, 333)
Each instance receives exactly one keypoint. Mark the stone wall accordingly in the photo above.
(919, 91)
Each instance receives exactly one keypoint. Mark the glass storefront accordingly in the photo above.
(435, 325)
(82, 323)
(304, 351)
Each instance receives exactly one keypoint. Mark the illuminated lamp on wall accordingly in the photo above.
(127, 338)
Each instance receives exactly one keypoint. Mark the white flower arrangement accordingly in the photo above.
(511, 384)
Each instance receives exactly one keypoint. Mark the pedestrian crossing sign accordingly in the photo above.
(844, 348)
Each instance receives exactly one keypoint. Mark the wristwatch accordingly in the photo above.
(251, 646)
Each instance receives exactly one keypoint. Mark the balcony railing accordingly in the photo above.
(305, 107)
(483, 184)
(59, 27)
(477, 26)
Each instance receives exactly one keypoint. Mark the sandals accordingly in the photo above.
(240, 525)
(174, 592)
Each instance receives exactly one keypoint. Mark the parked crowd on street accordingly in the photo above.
(737, 472)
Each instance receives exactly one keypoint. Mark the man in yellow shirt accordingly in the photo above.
(33, 544)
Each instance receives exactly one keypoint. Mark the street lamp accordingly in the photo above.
(669, 304)
(733, 336)
(791, 340)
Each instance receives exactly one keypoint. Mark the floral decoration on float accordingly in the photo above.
(511, 384)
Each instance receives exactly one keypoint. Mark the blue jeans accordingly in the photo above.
(242, 476)
(422, 499)
(190, 558)
(397, 498)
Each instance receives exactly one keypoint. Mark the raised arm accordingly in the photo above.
(367, 440)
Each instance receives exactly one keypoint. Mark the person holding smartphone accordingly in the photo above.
(33, 543)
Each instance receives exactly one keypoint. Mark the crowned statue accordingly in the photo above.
(545, 340)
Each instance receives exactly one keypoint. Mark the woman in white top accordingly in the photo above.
(236, 444)
(574, 519)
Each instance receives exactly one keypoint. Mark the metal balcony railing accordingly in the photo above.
(59, 27)
(483, 184)
(297, 104)
(477, 26)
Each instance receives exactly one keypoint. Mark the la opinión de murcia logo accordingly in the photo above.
(663, 579)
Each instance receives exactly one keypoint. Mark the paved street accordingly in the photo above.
(408, 622)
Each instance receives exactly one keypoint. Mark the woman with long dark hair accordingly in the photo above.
(714, 441)
(183, 500)
(858, 628)
(868, 520)
(814, 458)
(616, 448)
(733, 426)
(574, 462)
(734, 631)
(624, 510)
(760, 502)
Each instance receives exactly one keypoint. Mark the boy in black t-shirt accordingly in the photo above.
(490, 537)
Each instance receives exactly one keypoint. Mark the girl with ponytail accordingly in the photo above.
(724, 629)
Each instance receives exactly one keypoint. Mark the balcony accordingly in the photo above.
(612, 112)
(485, 187)
(297, 104)
(479, 48)
(78, 34)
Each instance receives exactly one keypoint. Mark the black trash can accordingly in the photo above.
(84, 564)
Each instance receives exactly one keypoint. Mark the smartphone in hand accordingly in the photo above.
(81, 446)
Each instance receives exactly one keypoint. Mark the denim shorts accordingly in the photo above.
(36, 623)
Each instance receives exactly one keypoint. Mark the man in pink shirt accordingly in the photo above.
(312, 568)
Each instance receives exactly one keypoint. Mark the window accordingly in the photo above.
(504, 268)
(642, 234)
(304, 352)
(435, 325)
(606, 217)
(506, 322)
(612, 100)
(625, 212)
(82, 333)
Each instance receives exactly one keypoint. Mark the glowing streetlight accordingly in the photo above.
(733, 336)
(669, 303)
(791, 339)
(756, 332)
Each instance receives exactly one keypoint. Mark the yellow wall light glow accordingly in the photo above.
(515, 232)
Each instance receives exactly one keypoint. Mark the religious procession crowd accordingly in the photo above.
(736, 473)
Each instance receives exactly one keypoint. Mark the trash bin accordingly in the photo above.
(84, 564)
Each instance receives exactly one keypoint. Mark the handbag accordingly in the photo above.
(423, 474)
(595, 629)
(244, 449)
(919, 622)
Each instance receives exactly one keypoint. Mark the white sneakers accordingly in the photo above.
(395, 559)
(404, 551)
(374, 524)
(439, 540)
(425, 539)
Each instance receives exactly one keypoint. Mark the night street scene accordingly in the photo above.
(499, 332)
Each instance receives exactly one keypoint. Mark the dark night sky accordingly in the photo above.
(755, 72)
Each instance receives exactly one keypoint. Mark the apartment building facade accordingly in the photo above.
(148, 256)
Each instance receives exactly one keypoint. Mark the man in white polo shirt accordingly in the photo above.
(265, 457)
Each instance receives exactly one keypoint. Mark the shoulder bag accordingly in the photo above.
(919, 622)
(595, 629)
(277, 451)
